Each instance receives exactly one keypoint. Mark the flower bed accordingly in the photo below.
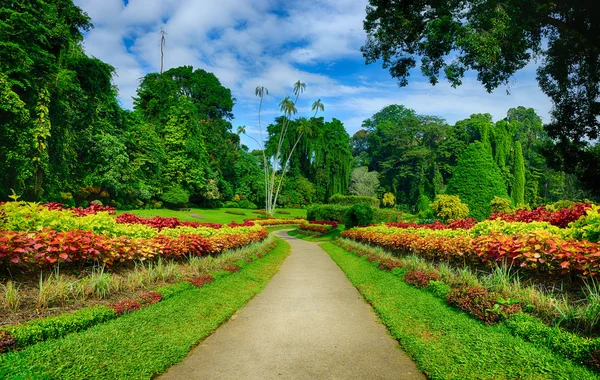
(48, 247)
(538, 251)
(275, 221)
(320, 227)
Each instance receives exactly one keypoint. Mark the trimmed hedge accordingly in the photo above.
(337, 212)
(358, 216)
(40, 330)
(351, 200)
(570, 345)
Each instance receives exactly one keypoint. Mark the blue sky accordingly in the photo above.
(274, 43)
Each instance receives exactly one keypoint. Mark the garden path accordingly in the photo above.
(308, 323)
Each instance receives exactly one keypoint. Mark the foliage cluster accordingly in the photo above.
(358, 215)
(449, 208)
(536, 251)
(351, 200)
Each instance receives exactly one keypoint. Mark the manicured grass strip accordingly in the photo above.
(445, 342)
(147, 342)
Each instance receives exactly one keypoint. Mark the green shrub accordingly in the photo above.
(389, 200)
(439, 288)
(424, 207)
(477, 180)
(176, 196)
(358, 216)
(559, 205)
(351, 200)
(449, 208)
(588, 226)
(337, 212)
(231, 204)
(244, 203)
(498, 205)
(555, 338)
(40, 330)
(327, 212)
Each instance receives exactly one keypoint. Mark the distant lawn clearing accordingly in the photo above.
(215, 215)
(445, 342)
(146, 342)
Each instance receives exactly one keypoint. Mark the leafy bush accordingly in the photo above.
(7, 341)
(587, 227)
(327, 212)
(56, 327)
(126, 306)
(499, 204)
(176, 196)
(389, 264)
(358, 216)
(477, 180)
(201, 281)
(439, 288)
(482, 304)
(351, 200)
(424, 207)
(556, 339)
(389, 200)
(559, 205)
(420, 279)
(245, 203)
(231, 204)
(560, 218)
(449, 208)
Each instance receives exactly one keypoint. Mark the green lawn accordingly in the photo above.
(146, 342)
(215, 215)
(445, 342)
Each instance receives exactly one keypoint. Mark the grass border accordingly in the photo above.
(444, 341)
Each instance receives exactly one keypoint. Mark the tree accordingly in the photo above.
(477, 180)
(282, 142)
(363, 182)
(518, 188)
(496, 39)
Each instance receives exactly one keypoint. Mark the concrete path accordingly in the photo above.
(308, 323)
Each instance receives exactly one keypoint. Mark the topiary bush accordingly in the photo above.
(327, 212)
(477, 180)
(498, 205)
(358, 216)
(176, 196)
(389, 200)
(449, 208)
(351, 200)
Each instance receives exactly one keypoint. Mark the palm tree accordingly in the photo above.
(288, 107)
(318, 106)
(299, 88)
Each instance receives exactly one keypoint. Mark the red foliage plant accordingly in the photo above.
(465, 224)
(150, 298)
(94, 208)
(481, 303)
(7, 341)
(126, 306)
(595, 359)
(420, 279)
(388, 264)
(231, 268)
(202, 280)
(560, 218)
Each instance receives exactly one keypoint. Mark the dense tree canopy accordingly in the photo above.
(416, 155)
(496, 39)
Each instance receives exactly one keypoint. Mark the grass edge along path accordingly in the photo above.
(147, 342)
(445, 342)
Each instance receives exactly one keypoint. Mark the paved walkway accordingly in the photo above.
(308, 323)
